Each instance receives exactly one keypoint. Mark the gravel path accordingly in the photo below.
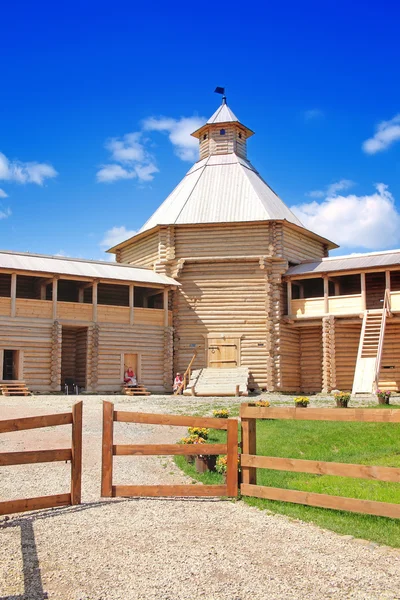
(158, 549)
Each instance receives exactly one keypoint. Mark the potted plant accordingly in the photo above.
(301, 401)
(221, 466)
(260, 403)
(199, 432)
(221, 413)
(342, 399)
(383, 396)
(192, 439)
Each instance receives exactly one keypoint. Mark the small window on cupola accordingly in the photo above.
(239, 135)
(222, 132)
(205, 136)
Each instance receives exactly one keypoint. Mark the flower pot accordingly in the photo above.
(205, 463)
(341, 403)
(301, 404)
(384, 399)
(190, 458)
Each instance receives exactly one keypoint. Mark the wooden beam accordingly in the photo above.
(131, 304)
(34, 456)
(14, 506)
(387, 280)
(363, 291)
(76, 452)
(55, 292)
(289, 297)
(178, 420)
(168, 449)
(165, 304)
(35, 422)
(365, 415)
(13, 294)
(107, 450)
(94, 301)
(326, 294)
(168, 490)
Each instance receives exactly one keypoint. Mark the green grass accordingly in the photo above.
(357, 443)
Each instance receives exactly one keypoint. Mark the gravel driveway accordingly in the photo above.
(160, 549)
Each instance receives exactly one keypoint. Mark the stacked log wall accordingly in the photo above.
(389, 378)
(347, 340)
(298, 246)
(142, 252)
(35, 341)
(289, 352)
(311, 359)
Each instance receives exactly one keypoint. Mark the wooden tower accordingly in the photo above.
(227, 238)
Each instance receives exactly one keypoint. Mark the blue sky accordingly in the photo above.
(87, 85)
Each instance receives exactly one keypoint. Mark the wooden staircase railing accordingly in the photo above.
(186, 376)
(385, 313)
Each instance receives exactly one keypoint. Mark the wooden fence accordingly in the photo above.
(109, 450)
(250, 461)
(73, 454)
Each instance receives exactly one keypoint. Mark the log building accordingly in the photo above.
(222, 269)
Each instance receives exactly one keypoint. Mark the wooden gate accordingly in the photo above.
(250, 461)
(223, 353)
(109, 450)
(73, 454)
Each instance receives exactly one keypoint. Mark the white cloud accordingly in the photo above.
(115, 235)
(370, 221)
(25, 172)
(5, 213)
(387, 132)
(179, 130)
(132, 159)
(332, 189)
(313, 114)
(3, 194)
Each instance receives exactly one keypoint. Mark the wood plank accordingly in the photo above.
(322, 468)
(107, 450)
(322, 414)
(249, 442)
(15, 506)
(34, 456)
(179, 420)
(23, 423)
(168, 449)
(232, 459)
(76, 464)
(370, 507)
(166, 491)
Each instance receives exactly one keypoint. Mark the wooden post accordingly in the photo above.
(232, 459)
(54, 296)
(237, 391)
(326, 294)
(165, 295)
(249, 443)
(337, 288)
(363, 292)
(43, 289)
(81, 294)
(107, 450)
(387, 280)
(301, 290)
(289, 297)
(76, 463)
(13, 294)
(94, 301)
(131, 303)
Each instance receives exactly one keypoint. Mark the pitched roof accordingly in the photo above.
(223, 114)
(41, 263)
(219, 189)
(351, 262)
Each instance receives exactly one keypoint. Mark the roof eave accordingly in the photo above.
(198, 132)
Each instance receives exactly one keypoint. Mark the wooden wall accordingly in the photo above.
(297, 246)
(34, 339)
(375, 283)
(222, 298)
(390, 377)
(147, 341)
(143, 252)
(74, 355)
(347, 339)
(289, 351)
(311, 359)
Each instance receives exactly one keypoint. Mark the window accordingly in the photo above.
(222, 132)
(239, 135)
(205, 136)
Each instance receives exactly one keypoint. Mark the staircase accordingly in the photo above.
(219, 382)
(370, 349)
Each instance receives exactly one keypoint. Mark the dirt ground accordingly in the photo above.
(162, 549)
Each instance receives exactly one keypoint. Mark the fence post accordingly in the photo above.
(107, 450)
(76, 462)
(232, 459)
(249, 442)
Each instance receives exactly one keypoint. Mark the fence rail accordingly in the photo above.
(73, 454)
(250, 461)
(109, 450)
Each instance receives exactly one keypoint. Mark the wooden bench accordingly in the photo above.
(14, 388)
(139, 390)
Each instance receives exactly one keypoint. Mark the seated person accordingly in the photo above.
(130, 378)
(177, 382)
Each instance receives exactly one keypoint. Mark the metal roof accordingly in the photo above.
(348, 263)
(221, 189)
(223, 114)
(21, 261)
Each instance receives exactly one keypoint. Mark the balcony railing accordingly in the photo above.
(337, 305)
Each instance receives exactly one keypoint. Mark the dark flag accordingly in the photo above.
(219, 90)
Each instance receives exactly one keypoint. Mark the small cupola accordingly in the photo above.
(223, 134)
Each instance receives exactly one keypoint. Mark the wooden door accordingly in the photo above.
(131, 360)
(223, 353)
